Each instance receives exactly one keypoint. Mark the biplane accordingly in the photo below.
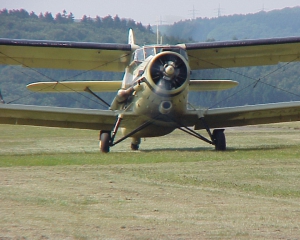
(152, 98)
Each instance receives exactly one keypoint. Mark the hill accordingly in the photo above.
(277, 23)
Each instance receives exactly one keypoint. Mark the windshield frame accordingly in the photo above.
(143, 53)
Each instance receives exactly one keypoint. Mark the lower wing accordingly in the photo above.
(113, 86)
(57, 117)
(251, 115)
(105, 119)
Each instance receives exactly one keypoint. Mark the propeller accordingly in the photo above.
(168, 71)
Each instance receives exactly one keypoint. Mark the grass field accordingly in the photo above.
(54, 184)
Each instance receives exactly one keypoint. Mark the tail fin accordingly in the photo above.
(131, 37)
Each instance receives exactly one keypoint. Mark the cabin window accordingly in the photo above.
(149, 51)
(143, 53)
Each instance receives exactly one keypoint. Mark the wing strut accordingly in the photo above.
(87, 89)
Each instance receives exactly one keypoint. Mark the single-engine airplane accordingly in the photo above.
(152, 98)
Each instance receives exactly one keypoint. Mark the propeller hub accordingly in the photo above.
(169, 70)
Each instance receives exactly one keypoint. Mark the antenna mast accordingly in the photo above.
(158, 23)
(219, 10)
(193, 12)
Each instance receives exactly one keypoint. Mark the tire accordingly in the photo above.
(134, 147)
(219, 140)
(105, 139)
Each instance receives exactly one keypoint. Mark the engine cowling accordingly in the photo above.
(168, 73)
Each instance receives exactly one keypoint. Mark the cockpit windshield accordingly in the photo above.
(143, 53)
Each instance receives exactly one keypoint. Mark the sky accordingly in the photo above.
(149, 11)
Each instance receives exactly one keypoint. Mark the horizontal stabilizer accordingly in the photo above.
(75, 86)
(211, 85)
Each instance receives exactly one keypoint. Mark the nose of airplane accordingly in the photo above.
(168, 71)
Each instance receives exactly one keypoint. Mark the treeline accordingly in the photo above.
(67, 18)
(63, 27)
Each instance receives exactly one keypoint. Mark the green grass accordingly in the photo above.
(37, 146)
(55, 184)
(162, 156)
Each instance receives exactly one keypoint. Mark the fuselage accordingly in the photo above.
(155, 87)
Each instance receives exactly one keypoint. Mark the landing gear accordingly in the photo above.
(134, 147)
(105, 141)
(135, 143)
(219, 139)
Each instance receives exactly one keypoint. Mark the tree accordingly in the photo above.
(48, 17)
(32, 15)
(84, 19)
(117, 21)
(108, 21)
(70, 17)
(98, 21)
(59, 18)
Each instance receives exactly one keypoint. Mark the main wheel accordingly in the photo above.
(105, 139)
(135, 143)
(219, 139)
(134, 147)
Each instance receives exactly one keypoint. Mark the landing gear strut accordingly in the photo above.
(107, 139)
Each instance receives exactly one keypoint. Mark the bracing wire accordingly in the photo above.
(255, 80)
(59, 82)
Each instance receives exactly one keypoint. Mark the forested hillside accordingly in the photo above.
(257, 84)
(277, 23)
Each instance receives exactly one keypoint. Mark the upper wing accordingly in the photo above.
(251, 115)
(243, 53)
(65, 55)
(75, 86)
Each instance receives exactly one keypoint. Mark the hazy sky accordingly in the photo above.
(148, 11)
